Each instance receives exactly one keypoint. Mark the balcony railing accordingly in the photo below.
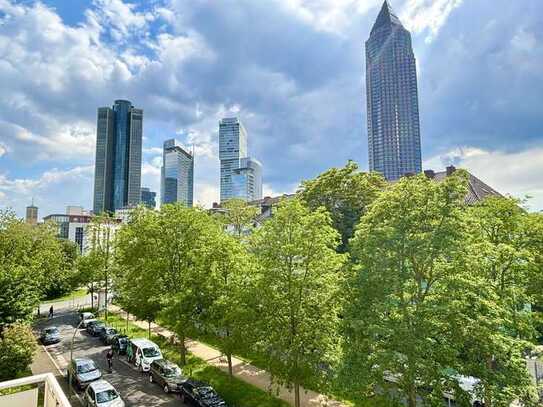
(26, 392)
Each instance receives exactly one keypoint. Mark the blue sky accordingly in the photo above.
(293, 70)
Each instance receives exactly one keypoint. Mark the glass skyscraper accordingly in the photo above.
(177, 177)
(148, 198)
(392, 99)
(117, 173)
(241, 176)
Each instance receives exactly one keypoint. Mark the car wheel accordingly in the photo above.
(182, 396)
(166, 389)
(150, 378)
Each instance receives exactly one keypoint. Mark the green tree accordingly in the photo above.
(17, 348)
(29, 257)
(502, 241)
(405, 251)
(346, 193)
(136, 280)
(87, 268)
(64, 279)
(298, 290)
(229, 315)
(239, 215)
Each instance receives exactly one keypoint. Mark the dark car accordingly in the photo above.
(94, 327)
(50, 335)
(82, 371)
(107, 334)
(119, 344)
(200, 394)
(167, 375)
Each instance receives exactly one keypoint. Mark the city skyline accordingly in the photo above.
(300, 95)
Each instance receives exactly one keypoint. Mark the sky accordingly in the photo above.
(292, 70)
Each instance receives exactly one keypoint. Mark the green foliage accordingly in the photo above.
(30, 259)
(426, 304)
(238, 215)
(63, 279)
(17, 347)
(346, 193)
(298, 293)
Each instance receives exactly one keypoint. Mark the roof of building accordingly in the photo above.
(386, 17)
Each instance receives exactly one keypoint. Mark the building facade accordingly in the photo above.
(32, 214)
(241, 175)
(247, 180)
(177, 174)
(392, 99)
(148, 198)
(117, 176)
(71, 226)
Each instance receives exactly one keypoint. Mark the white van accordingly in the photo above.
(142, 352)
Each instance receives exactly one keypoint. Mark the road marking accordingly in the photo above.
(62, 373)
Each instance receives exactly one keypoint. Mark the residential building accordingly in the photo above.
(177, 174)
(72, 225)
(394, 144)
(32, 214)
(241, 175)
(148, 198)
(117, 177)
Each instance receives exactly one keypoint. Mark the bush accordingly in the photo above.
(17, 347)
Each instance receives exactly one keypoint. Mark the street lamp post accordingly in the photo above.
(72, 353)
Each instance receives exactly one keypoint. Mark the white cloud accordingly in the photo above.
(430, 15)
(517, 174)
(51, 191)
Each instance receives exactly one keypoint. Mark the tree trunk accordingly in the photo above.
(127, 318)
(296, 395)
(149, 330)
(230, 370)
(412, 397)
(92, 296)
(183, 350)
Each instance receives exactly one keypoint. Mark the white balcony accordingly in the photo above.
(26, 392)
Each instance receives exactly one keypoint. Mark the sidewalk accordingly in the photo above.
(242, 370)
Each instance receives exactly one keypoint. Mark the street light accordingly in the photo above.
(72, 353)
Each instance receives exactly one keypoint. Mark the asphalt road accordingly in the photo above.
(133, 386)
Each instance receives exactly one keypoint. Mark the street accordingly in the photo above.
(134, 387)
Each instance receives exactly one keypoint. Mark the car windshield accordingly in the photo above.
(50, 331)
(207, 392)
(122, 340)
(172, 371)
(106, 395)
(111, 331)
(86, 367)
(88, 316)
(151, 352)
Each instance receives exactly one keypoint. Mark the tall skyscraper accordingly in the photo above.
(392, 98)
(177, 178)
(148, 198)
(241, 176)
(32, 214)
(117, 173)
(247, 180)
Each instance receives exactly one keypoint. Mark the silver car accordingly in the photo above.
(83, 371)
(102, 394)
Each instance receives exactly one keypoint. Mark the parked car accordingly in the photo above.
(85, 318)
(167, 375)
(93, 327)
(142, 353)
(50, 335)
(82, 371)
(119, 344)
(107, 334)
(102, 394)
(99, 330)
(200, 394)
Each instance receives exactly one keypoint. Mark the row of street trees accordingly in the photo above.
(360, 288)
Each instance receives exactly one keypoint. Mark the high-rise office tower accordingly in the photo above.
(117, 173)
(392, 99)
(241, 176)
(32, 214)
(247, 180)
(148, 198)
(177, 177)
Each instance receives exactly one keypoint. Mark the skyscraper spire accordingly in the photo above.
(386, 17)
